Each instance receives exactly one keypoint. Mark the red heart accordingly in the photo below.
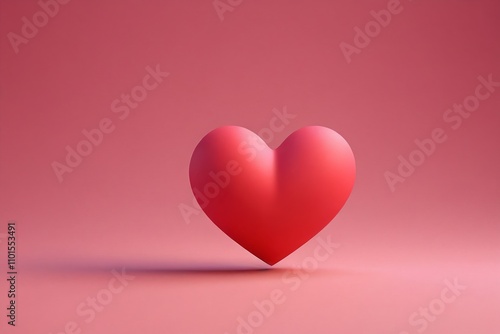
(271, 202)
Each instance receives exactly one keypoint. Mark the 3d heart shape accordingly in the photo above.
(271, 202)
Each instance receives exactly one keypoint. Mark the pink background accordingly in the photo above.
(120, 206)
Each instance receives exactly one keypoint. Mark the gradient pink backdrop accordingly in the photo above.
(120, 207)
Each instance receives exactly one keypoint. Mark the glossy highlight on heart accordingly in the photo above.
(271, 202)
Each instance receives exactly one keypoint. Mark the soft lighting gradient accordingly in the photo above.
(120, 206)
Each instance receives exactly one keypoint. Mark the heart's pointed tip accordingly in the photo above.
(271, 262)
(270, 259)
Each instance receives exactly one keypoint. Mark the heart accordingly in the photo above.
(271, 202)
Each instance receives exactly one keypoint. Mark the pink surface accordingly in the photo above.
(133, 86)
